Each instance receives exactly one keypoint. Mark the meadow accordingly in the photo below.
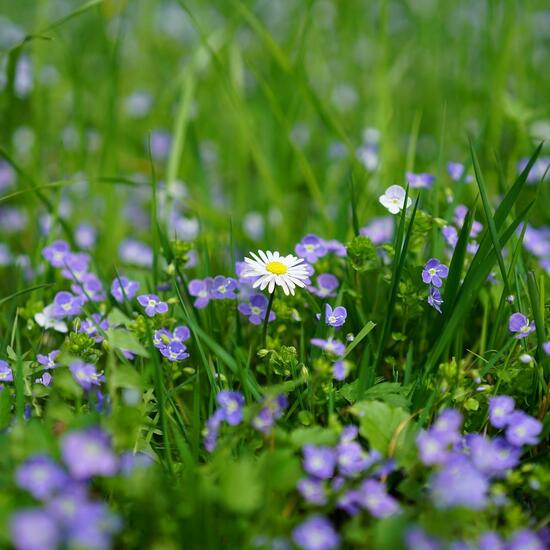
(273, 274)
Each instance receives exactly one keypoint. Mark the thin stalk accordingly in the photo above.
(266, 320)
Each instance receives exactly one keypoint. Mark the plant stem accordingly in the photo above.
(266, 320)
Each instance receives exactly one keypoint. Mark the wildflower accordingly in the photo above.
(500, 409)
(66, 304)
(417, 539)
(89, 288)
(340, 370)
(45, 379)
(231, 402)
(351, 458)
(46, 320)
(334, 317)
(6, 375)
(56, 252)
(490, 541)
(223, 287)
(34, 529)
(161, 338)
(311, 248)
(326, 286)
(135, 252)
(316, 533)
(520, 325)
(330, 345)
(450, 235)
(123, 288)
(313, 491)
(546, 347)
(319, 461)
(85, 375)
(85, 236)
(272, 409)
(181, 334)
(433, 273)
(336, 247)
(493, 457)
(211, 430)
(420, 181)
(130, 462)
(75, 266)
(394, 199)
(152, 304)
(522, 429)
(447, 425)
(524, 540)
(375, 499)
(94, 327)
(88, 453)
(256, 309)
(432, 447)
(379, 230)
(201, 289)
(92, 526)
(456, 172)
(272, 270)
(40, 476)
(434, 299)
(459, 483)
(48, 361)
(175, 351)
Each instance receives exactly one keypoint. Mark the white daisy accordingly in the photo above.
(273, 269)
(394, 199)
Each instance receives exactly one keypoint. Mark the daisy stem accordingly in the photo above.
(266, 320)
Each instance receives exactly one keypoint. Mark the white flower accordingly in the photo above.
(45, 320)
(394, 199)
(273, 269)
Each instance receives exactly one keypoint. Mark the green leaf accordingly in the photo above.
(124, 340)
(241, 487)
(316, 435)
(357, 340)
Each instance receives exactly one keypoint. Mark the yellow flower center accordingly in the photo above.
(277, 268)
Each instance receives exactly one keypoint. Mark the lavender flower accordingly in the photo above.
(319, 461)
(434, 298)
(311, 248)
(327, 284)
(546, 347)
(65, 304)
(135, 252)
(375, 499)
(56, 252)
(524, 540)
(223, 287)
(434, 272)
(272, 409)
(85, 236)
(420, 181)
(522, 429)
(456, 171)
(88, 453)
(75, 266)
(447, 425)
(493, 457)
(520, 325)
(256, 309)
(41, 477)
(47, 320)
(211, 430)
(450, 235)
(90, 327)
(48, 361)
(152, 304)
(340, 370)
(123, 288)
(330, 345)
(175, 351)
(313, 491)
(45, 379)
(202, 290)
(34, 529)
(379, 230)
(89, 288)
(351, 459)
(85, 375)
(433, 448)
(417, 539)
(500, 409)
(316, 533)
(231, 402)
(336, 247)
(334, 317)
(6, 374)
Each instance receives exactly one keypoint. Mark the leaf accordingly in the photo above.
(357, 340)
(124, 340)
(281, 469)
(378, 422)
(241, 487)
(315, 435)
(389, 392)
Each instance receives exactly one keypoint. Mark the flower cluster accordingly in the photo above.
(171, 343)
(433, 274)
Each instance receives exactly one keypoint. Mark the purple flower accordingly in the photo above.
(211, 430)
(450, 235)
(152, 304)
(45, 379)
(162, 337)
(181, 334)
(123, 288)
(175, 351)
(420, 181)
(93, 526)
(447, 425)
(92, 327)
(6, 374)
(65, 304)
(41, 476)
(319, 461)
(272, 410)
(456, 171)
(135, 252)
(522, 429)
(330, 345)
(256, 309)
(340, 370)
(434, 298)
(85, 236)
(490, 541)
(201, 289)
(520, 325)
(130, 462)
(160, 143)
(311, 248)
(34, 529)
(500, 409)
(350, 502)
(334, 317)
(352, 459)
(313, 491)
(375, 499)
(417, 539)
(524, 540)
(75, 266)
(326, 286)
(493, 457)
(459, 483)
(546, 347)
(316, 533)
(231, 402)
(379, 230)
(88, 453)
(433, 273)
(336, 247)
(85, 375)
(223, 287)
(56, 252)
(89, 288)
(433, 448)
(48, 361)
